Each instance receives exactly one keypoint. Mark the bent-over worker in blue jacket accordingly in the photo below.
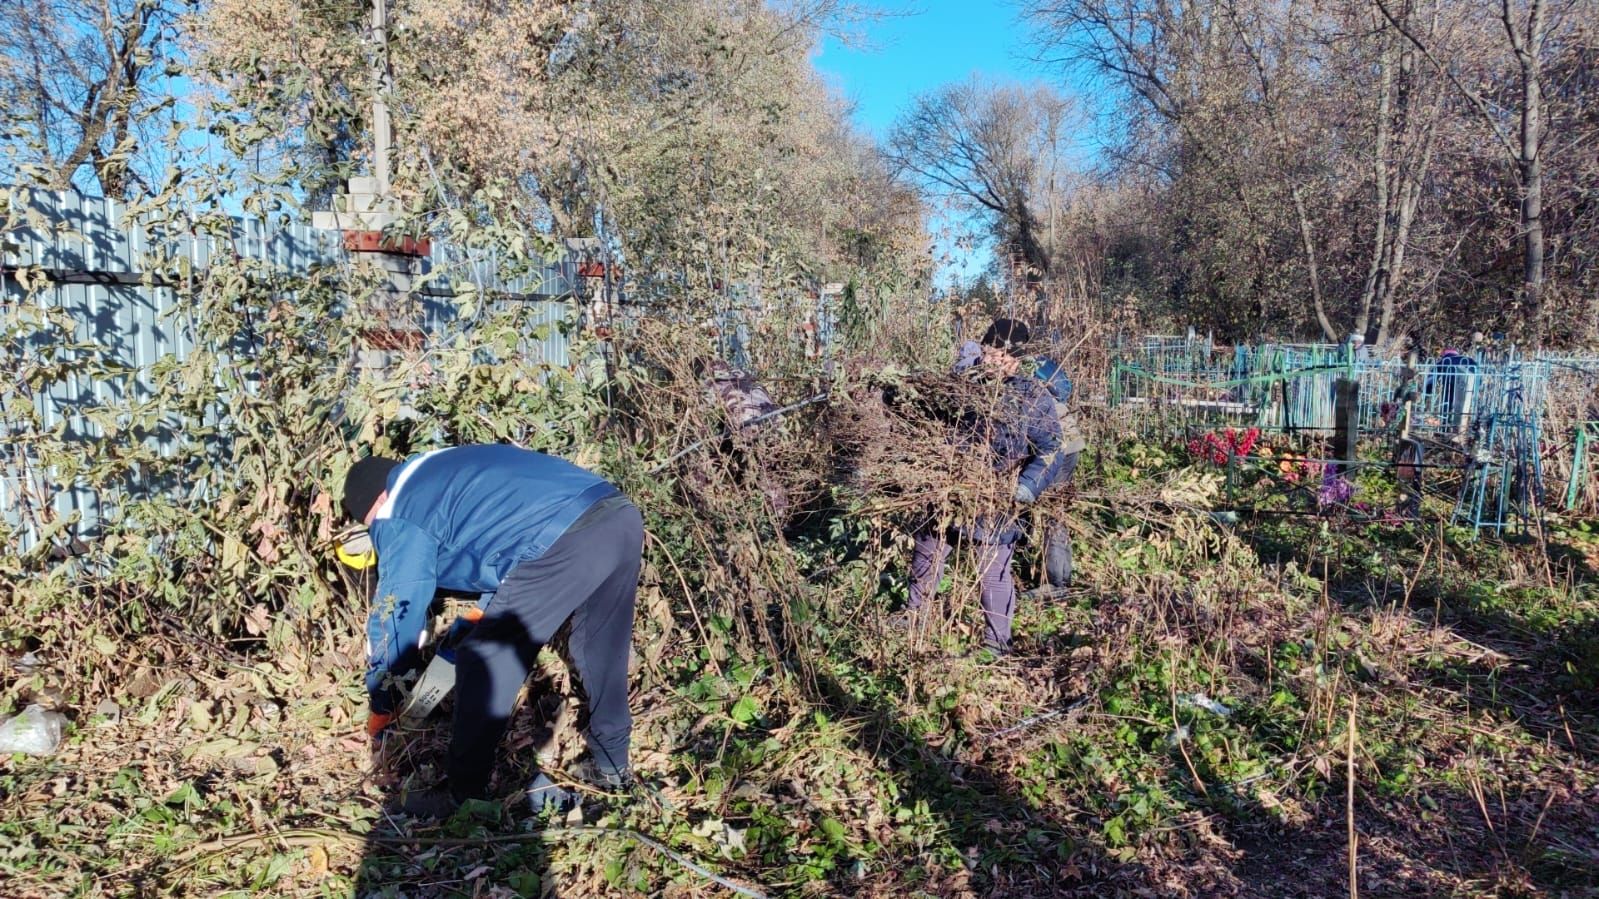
(551, 542)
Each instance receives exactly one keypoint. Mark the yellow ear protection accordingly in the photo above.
(356, 551)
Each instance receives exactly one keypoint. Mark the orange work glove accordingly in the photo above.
(376, 722)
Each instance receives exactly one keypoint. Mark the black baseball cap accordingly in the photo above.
(366, 481)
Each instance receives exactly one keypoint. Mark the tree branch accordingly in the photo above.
(1471, 96)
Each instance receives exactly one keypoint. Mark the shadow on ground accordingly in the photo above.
(1438, 842)
(485, 843)
(1510, 807)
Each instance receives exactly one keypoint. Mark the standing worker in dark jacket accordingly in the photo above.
(548, 541)
(745, 403)
(1023, 437)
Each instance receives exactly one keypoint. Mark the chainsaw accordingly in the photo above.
(438, 678)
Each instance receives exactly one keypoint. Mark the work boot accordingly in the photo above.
(614, 783)
(1058, 556)
(986, 654)
(606, 770)
(614, 780)
(544, 795)
(434, 804)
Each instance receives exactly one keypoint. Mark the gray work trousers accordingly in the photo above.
(997, 591)
(590, 575)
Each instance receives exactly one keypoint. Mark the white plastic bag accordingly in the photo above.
(1202, 701)
(34, 732)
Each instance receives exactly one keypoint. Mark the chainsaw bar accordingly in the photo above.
(437, 680)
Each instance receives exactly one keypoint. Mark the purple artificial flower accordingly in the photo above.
(1335, 488)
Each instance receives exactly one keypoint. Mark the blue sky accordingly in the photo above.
(919, 46)
(916, 48)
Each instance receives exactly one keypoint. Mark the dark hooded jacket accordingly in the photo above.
(1022, 435)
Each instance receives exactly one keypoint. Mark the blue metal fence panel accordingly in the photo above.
(487, 271)
(112, 274)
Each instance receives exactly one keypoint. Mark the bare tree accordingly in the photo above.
(1320, 126)
(1268, 69)
(76, 75)
(1187, 75)
(1528, 26)
(1527, 32)
(992, 148)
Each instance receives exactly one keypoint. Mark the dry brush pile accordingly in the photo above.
(1571, 405)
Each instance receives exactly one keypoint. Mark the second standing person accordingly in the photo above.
(1023, 436)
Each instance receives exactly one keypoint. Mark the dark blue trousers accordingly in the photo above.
(589, 575)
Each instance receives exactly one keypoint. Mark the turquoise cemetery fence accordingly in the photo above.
(1483, 411)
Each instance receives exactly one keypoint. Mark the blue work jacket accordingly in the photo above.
(461, 519)
(1025, 433)
(1022, 435)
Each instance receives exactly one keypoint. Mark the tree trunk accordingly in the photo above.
(1308, 240)
(1307, 236)
(1532, 194)
(1528, 44)
(1526, 39)
(1412, 185)
(1418, 106)
(1379, 248)
(1034, 256)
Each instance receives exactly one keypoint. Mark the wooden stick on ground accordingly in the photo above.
(1354, 883)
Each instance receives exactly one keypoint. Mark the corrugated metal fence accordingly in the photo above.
(116, 276)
